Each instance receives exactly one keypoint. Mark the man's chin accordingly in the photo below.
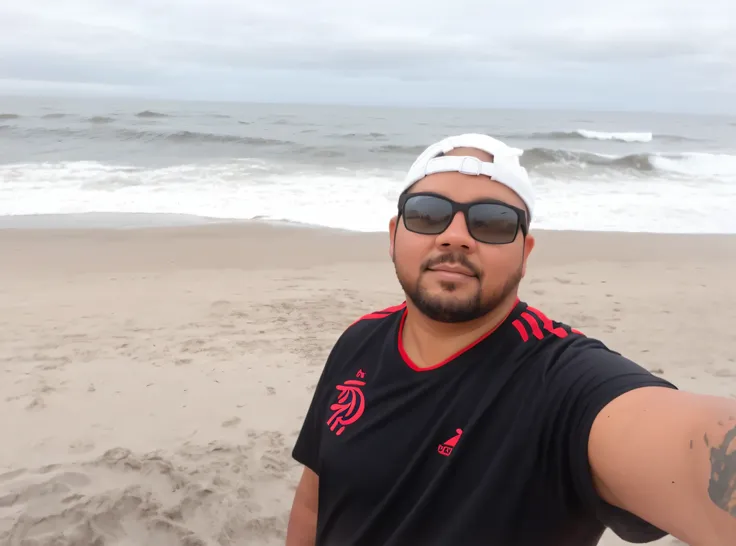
(465, 289)
(448, 307)
(450, 314)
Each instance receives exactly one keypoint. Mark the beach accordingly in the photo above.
(153, 380)
(174, 274)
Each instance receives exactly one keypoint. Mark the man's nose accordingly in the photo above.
(457, 234)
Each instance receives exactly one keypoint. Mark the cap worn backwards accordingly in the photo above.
(505, 168)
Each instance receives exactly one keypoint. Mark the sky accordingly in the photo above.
(659, 55)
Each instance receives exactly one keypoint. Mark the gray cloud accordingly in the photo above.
(217, 48)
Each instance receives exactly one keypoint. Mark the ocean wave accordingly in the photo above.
(623, 137)
(199, 137)
(319, 151)
(151, 114)
(586, 134)
(398, 149)
(696, 164)
(9, 116)
(363, 149)
(358, 136)
(686, 163)
(539, 158)
(124, 134)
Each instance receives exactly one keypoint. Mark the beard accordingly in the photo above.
(449, 308)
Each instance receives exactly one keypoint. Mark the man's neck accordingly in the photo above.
(428, 342)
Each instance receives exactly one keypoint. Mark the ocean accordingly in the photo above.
(342, 167)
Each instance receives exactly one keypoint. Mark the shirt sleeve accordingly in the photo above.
(582, 381)
(307, 446)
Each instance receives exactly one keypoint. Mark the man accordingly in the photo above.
(465, 416)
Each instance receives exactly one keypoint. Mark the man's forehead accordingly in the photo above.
(464, 189)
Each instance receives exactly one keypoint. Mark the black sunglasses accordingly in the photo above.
(489, 221)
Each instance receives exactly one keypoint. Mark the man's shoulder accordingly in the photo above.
(535, 328)
(565, 356)
(371, 327)
(556, 342)
(374, 320)
(365, 335)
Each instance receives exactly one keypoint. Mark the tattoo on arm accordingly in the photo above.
(722, 485)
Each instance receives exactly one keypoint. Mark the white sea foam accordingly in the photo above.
(700, 195)
(241, 190)
(697, 164)
(623, 137)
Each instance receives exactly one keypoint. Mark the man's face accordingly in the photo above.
(489, 273)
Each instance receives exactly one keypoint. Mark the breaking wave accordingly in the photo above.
(151, 114)
(692, 163)
(585, 134)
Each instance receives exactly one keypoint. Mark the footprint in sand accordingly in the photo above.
(235, 421)
(36, 404)
(81, 447)
(9, 476)
(220, 307)
(217, 493)
(57, 486)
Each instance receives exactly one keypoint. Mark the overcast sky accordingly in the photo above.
(677, 55)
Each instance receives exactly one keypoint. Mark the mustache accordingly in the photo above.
(451, 258)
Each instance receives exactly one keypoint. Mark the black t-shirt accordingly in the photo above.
(489, 447)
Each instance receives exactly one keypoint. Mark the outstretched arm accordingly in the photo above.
(302, 527)
(670, 458)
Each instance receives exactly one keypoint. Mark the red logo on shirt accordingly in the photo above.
(350, 404)
(447, 447)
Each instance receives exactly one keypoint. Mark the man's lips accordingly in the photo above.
(453, 269)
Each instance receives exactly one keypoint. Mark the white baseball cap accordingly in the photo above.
(505, 168)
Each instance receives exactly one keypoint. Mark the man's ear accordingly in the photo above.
(529, 243)
(392, 235)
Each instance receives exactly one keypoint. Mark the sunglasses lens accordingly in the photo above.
(492, 223)
(427, 215)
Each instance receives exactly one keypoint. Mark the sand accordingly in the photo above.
(152, 381)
